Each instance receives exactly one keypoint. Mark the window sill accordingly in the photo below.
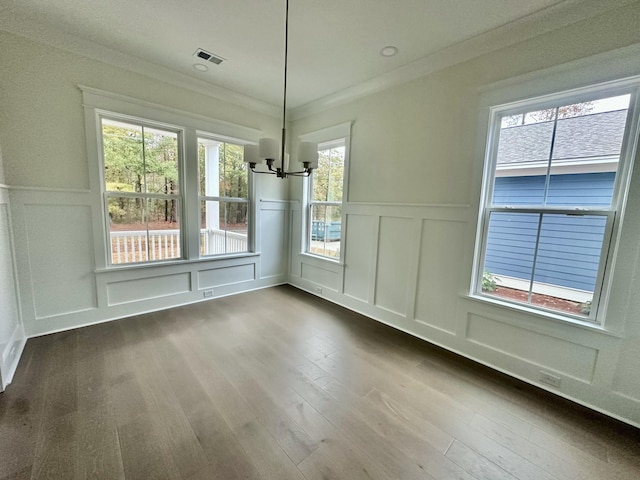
(179, 262)
(564, 320)
(321, 259)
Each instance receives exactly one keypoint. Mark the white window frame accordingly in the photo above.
(107, 194)
(98, 103)
(218, 198)
(614, 214)
(325, 138)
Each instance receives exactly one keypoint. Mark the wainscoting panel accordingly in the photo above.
(321, 276)
(567, 358)
(216, 277)
(60, 241)
(360, 237)
(274, 238)
(627, 378)
(395, 241)
(409, 266)
(136, 290)
(440, 247)
(12, 336)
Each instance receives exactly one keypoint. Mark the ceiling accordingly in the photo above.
(333, 44)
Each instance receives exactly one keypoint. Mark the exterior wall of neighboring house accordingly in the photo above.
(574, 258)
(584, 154)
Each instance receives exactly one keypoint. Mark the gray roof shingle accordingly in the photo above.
(598, 134)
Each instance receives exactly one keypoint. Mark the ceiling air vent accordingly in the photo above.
(208, 56)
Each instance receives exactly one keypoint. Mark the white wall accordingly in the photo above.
(47, 172)
(12, 337)
(416, 159)
(410, 214)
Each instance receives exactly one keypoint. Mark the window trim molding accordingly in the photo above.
(517, 97)
(327, 135)
(97, 104)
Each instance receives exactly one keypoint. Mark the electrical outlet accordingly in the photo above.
(207, 293)
(550, 379)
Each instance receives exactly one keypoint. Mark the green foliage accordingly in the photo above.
(140, 160)
(489, 282)
(328, 184)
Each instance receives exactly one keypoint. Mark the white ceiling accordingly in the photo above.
(333, 44)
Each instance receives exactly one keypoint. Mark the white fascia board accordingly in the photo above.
(565, 167)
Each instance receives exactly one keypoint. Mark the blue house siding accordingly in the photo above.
(588, 189)
(570, 246)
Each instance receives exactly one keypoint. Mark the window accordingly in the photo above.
(325, 200)
(142, 194)
(556, 175)
(170, 186)
(224, 197)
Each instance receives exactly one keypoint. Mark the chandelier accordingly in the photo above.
(268, 149)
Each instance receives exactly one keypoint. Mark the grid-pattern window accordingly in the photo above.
(325, 200)
(555, 179)
(143, 200)
(224, 197)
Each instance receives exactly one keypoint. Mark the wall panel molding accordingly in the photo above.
(405, 265)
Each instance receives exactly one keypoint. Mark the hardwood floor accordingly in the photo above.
(276, 385)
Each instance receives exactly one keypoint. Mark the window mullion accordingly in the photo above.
(535, 259)
(547, 179)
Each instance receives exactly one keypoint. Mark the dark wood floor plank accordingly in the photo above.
(545, 460)
(276, 385)
(21, 408)
(335, 460)
(98, 450)
(171, 426)
(500, 410)
(271, 461)
(577, 425)
(382, 452)
(474, 463)
(392, 424)
(227, 459)
(578, 461)
(55, 455)
(145, 452)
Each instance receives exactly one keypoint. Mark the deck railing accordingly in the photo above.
(131, 246)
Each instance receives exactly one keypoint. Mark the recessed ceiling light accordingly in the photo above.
(389, 51)
(200, 67)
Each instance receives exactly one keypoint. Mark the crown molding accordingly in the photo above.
(50, 36)
(526, 28)
(535, 24)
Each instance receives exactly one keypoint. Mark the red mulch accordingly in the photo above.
(552, 303)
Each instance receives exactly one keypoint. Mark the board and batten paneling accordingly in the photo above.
(440, 247)
(61, 289)
(135, 290)
(274, 239)
(61, 255)
(567, 358)
(406, 266)
(219, 276)
(363, 232)
(395, 240)
(12, 337)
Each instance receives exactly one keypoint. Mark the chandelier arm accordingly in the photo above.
(252, 167)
